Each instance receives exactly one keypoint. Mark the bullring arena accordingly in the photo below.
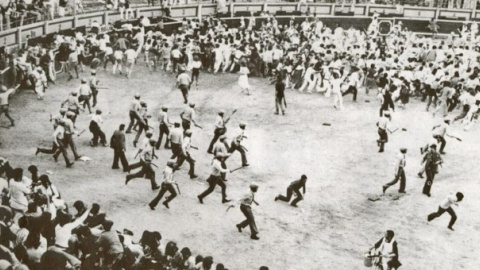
(343, 212)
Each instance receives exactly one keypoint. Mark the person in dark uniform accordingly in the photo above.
(142, 125)
(215, 178)
(432, 159)
(294, 187)
(117, 143)
(280, 96)
(387, 102)
(96, 130)
(167, 185)
(164, 124)
(246, 208)
(399, 173)
(146, 158)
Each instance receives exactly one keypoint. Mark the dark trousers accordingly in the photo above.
(185, 124)
(216, 134)
(213, 181)
(190, 161)
(86, 102)
(453, 216)
(234, 147)
(119, 154)
(176, 150)
(464, 112)
(4, 110)
(290, 192)
(383, 138)
(141, 128)
(133, 116)
(146, 171)
(68, 141)
(97, 133)
(163, 131)
(250, 221)
(184, 89)
(164, 188)
(175, 62)
(49, 151)
(61, 148)
(429, 181)
(351, 89)
(94, 97)
(442, 142)
(400, 176)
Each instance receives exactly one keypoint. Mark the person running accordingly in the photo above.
(399, 173)
(294, 188)
(446, 206)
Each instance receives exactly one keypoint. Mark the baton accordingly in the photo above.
(198, 126)
(391, 132)
(228, 119)
(228, 208)
(81, 132)
(244, 148)
(178, 189)
(236, 169)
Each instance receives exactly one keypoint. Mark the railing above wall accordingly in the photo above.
(199, 9)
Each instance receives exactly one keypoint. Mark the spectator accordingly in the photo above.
(18, 192)
(110, 246)
(22, 233)
(36, 246)
(63, 230)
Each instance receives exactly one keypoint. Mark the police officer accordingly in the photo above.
(399, 173)
(134, 112)
(73, 105)
(68, 138)
(219, 130)
(56, 118)
(58, 144)
(215, 179)
(432, 159)
(85, 93)
(236, 144)
(167, 185)
(294, 187)
(185, 155)
(164, 130)
(93, 83)
(176, 140)
(4, 104)
(147, 168)
(246, 208)
(188, 116)
(142, 125)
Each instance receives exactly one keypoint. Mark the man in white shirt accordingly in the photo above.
(130, 56)
(97, 132)
(215, 178)
(446, 206)
(399, 173)
(185, 154)
(236, 144)
(167, 185)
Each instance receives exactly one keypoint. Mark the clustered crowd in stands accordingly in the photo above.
(40, 232)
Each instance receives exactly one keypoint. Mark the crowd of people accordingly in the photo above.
(308, 56)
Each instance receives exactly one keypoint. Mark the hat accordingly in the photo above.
(386, 113)
(127, 232)
(221, 112)
(149, 132)
(191, 104)
(188, 132)
(70, 113)
(223, 137)
(242, 125)
(170, 163)
(446, 120)
(253, 185)
(39, 68)
(164, 107)
(93, 72)
(63, 110)
(74, 92)
(433, 146)
(403, 150)
(98, 111)
(84, 80)
(143, 103)
(137, 95)
(152, 141)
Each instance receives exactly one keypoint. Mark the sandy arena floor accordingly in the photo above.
(333, 226)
